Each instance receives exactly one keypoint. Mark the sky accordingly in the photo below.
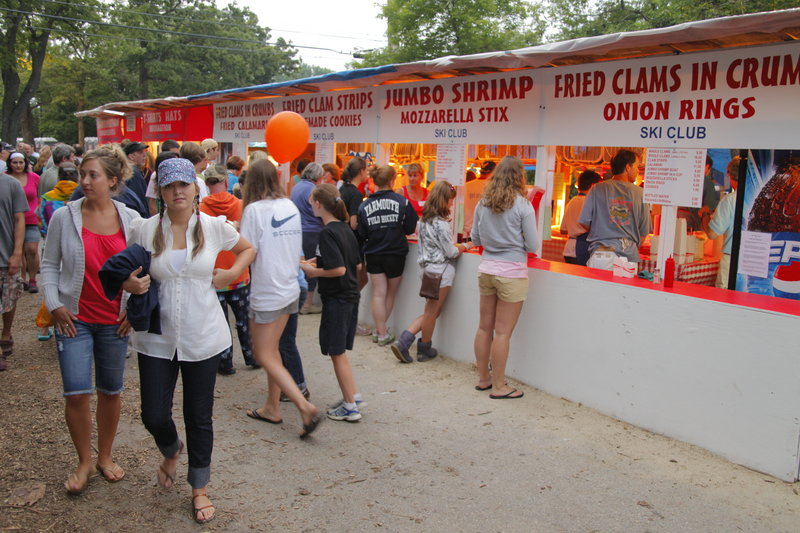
(340, 25)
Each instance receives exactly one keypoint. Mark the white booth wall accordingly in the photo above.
(721, 376)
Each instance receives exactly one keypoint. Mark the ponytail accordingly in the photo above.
(353, 169)
(328, 197)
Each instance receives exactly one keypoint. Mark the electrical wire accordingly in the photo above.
(159, 30)
(231, 24)
(139, 39)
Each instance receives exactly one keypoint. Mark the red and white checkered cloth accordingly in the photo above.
(703, 272)
(553, 249)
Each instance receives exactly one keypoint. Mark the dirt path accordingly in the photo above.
(431, 454)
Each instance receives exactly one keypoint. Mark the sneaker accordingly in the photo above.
(374, 336)
(306, 395)
(33, 288)
(387, 340)
(362, 331)
(227, 371)
(340, 412)
(360, 404)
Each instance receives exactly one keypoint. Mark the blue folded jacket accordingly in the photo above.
(144, 312)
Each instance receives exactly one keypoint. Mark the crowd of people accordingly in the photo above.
(147, 254)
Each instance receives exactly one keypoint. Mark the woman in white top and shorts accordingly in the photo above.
(185, 244)
(272, 223)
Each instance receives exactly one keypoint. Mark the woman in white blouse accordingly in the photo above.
(185, 244)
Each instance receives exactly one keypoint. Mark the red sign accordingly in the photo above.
(162, 125)
(199, 123)
(109, 130)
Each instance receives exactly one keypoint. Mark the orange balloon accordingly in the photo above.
(286, 136)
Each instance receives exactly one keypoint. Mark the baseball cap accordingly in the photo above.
(135, 147)
(208, 144)
(176, 169)
(215, 174)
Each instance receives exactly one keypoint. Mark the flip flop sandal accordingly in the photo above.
(168, 476)
(74, 480)
(112, 473)
(510, 395)
(197, 510)
(253, 413)
(309, 428)
(7, 347)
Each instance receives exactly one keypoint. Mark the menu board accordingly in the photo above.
(451, 160)
(674, 176)
(324, 153)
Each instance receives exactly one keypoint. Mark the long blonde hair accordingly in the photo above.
(508, 182)
(159, 241)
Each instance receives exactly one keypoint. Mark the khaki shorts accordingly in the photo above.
(268, 317)
(510, 290)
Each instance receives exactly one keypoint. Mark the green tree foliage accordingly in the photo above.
(585, 18)
(25, 34)
(426, 29)
(136, 49)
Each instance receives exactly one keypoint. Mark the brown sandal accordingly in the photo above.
(196, 510)
(168, 476)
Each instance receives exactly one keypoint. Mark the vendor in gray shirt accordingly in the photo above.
(616, 215)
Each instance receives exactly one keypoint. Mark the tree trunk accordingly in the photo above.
(15, 103)
(27, 126)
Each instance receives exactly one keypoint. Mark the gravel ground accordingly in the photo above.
(431, 454)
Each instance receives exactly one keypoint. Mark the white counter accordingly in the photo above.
(721, 376)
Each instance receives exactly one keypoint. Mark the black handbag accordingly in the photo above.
(430, 285)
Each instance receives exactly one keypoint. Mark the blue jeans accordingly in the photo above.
(310, 243)
(287, 345)
(239, 301)
(157, 381)
(98, 343)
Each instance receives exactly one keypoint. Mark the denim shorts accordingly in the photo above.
(98, 343)
(32, 233)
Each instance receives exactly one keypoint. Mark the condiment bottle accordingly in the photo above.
(669, 272)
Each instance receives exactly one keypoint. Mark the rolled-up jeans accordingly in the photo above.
(157, 383)
(290, 355)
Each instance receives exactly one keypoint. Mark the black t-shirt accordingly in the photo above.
(338, 247)
(351, 197)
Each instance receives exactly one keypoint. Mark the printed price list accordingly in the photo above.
(674, 176)
(451, 161)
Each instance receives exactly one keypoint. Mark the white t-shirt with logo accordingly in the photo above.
(273, 227)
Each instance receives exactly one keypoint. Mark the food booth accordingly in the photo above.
(716, 368)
